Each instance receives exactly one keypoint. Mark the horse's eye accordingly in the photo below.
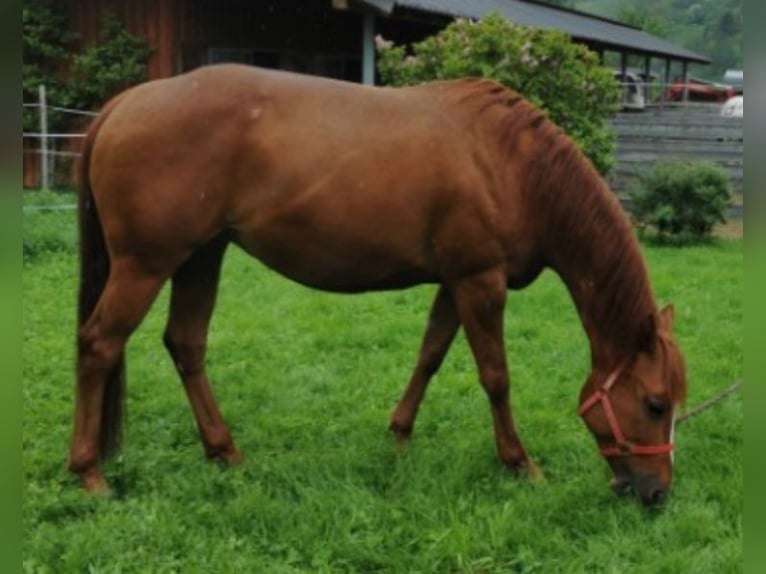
(656, 407)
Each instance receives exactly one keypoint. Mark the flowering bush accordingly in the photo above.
(545, 66)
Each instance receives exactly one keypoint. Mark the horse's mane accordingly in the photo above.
(586, 226)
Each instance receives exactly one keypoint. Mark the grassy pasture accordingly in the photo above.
(306, 381)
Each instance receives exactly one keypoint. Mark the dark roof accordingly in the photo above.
(591, 29)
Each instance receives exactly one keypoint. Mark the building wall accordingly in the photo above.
(152, 20)
(691, 131)
(307, 36)
(183, 33)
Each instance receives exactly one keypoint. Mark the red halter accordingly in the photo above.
(623, 446)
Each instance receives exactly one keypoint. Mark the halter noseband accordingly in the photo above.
(623, 446)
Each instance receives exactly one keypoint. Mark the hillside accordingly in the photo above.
(713, 28)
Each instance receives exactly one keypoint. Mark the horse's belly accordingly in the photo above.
(335, 261)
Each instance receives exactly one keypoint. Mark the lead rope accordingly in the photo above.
(710, 402)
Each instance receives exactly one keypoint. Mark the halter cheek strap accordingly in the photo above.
(623, 447)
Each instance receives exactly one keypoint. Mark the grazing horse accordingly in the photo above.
(351, 188)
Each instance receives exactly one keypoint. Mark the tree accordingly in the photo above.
(713, 28)
(45, 48)
(82, 81)
(117, 61)
(644, 17)
(545, 66)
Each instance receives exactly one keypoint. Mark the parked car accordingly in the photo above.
(700, 91)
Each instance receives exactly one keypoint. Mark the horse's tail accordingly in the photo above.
(94, 272)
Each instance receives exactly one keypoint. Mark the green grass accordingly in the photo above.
(306, 381)
(49, 224)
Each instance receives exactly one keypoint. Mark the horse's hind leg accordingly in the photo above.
(442, 326)
(127, 296)
(194, 289)
(480, 302)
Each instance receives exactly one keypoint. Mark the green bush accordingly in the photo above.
(682, 200)
(545, 66)
(109, 66)
(45, 47)
(82, 80)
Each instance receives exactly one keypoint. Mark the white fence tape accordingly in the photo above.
(50, 207)
(60, 109)
(48, 140)
(56, 136)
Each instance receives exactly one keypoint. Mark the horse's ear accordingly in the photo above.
(667, 317)
(647, 334)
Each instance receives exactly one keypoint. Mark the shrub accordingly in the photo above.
(77, 80)
(545, 66)
(45, 45)
(682, 200)
(105, 68)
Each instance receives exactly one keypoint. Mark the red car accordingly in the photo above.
(700, 91)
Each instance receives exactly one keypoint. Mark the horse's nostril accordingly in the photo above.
(657, 496)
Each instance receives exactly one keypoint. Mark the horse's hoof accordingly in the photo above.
(231, 457)
(528, 469)
(94, 484)
(228, 455)
(402, 434)
(533, 472)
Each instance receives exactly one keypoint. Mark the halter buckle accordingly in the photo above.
(625, 448)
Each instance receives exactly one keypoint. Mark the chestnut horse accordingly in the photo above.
(349, 188)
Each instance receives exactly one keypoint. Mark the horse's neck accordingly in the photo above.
(592, 247)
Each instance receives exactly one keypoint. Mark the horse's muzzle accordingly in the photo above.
(648, 489)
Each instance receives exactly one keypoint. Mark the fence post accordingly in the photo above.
(368, 49)
(665, 84)
(647, 79)
(44, 168)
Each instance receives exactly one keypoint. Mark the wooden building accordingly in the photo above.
(333, 38)
(330, 37)
(322, 37)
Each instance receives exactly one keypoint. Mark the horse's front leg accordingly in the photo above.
(480, 302)
(442, 326)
